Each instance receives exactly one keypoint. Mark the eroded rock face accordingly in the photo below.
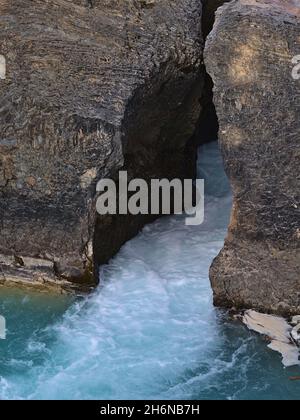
(249, 56)
(89, 87)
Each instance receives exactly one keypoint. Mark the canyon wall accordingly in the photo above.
(88, 88)
(250, 55)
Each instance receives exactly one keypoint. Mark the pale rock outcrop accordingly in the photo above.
(278, 331)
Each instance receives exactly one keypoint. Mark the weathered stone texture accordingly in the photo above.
(249, 56)
(90, 86)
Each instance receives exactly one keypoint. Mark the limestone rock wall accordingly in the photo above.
(249, 56)
(90, 87)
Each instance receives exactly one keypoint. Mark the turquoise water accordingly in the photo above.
(150, 330)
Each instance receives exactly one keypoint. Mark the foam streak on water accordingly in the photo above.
(150, 330)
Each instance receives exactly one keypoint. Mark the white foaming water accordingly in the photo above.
(150, 330)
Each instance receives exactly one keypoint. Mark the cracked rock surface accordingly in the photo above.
(249, 56)
(90, 87)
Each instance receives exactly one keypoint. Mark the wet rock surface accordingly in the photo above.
(249, 56)
(89, 88)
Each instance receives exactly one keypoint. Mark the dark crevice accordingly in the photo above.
(157, 146)
(208, 14)
(208, 125)
(155, 134)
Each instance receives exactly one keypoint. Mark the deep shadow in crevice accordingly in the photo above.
(160, 117)
(155, 134)
(208, 14)
(208, 125)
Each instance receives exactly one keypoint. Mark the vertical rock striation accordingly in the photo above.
(90, 87)
(250, 55)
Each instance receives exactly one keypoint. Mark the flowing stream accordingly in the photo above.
(150, 330)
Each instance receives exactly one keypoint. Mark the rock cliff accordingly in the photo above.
(88, 88)
(250, 56)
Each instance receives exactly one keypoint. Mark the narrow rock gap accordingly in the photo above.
(208, 14)
(208, 125)
(160, 159)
